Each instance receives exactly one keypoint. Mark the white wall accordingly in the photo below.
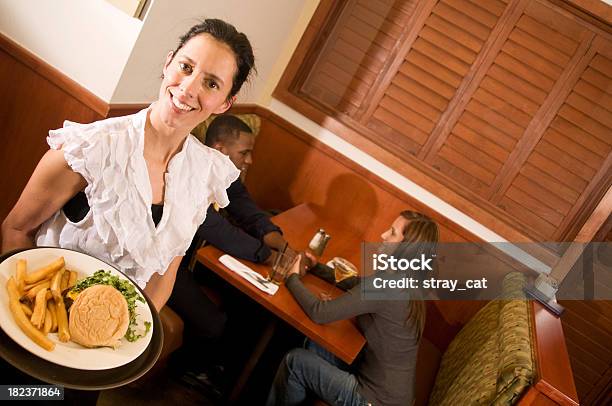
(88, 40)
(267, 23)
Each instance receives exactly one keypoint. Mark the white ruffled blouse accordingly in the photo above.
(119, 228)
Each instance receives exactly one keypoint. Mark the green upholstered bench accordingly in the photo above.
(490, 360)
(511, 352)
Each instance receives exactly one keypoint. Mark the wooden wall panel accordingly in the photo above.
(588, 333)
(34, 98)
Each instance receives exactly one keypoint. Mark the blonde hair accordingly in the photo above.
(421, 236)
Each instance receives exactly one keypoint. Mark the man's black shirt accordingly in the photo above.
(244, 238)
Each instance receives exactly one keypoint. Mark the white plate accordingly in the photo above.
(70, 354)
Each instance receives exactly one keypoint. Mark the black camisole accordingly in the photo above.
(77, 208)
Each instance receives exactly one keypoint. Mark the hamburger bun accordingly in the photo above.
(99, 317)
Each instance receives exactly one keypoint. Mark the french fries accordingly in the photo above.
(56, 281)
(72, 279)
(48, 323)
(52, 309)
(64, 282)
(27, 288)
(45, 272)
(31, 295)
(40, 307)
(62, 319)
(22, 321)
(26, 309)
(20, 275)
(36, 301)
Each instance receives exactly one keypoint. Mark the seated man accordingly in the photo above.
(249, 234)
(244, 232)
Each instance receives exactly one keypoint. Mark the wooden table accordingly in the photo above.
(299, 224)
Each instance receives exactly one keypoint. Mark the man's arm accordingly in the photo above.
(219, 232)
(248, 216)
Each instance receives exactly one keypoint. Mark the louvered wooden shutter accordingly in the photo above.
(429, 75)
(537, 51)
(572, 159)
(355, 52)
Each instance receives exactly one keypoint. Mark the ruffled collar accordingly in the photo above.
(151, 247)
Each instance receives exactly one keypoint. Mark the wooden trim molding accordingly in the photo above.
(598, 10)
(123, 109)
(68, 85)
(552, 358)
(47, 71)
(587, 233)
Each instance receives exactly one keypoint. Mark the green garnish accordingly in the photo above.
(127, 290)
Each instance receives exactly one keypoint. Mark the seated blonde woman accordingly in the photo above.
(384, 372)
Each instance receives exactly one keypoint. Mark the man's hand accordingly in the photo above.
(271, 258)
(275, 240)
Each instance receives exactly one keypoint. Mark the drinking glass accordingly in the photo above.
(340, 273)
(282, 264)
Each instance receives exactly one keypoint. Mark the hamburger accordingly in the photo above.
(99, 317)
(125, 288)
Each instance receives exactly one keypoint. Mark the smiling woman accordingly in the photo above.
(140, 184)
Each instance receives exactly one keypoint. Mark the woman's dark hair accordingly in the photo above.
(237, 41)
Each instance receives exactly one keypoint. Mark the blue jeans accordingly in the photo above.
(314, 370)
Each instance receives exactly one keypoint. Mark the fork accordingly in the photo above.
(257, 277)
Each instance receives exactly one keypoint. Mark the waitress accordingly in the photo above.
(132, 190)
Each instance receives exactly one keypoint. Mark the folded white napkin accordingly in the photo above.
(248, 274)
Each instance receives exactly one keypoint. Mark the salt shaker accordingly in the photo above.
(318, 242)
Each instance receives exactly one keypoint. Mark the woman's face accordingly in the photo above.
(197, 81)
(396, 232)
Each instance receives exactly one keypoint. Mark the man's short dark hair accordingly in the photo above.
(225, 128)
